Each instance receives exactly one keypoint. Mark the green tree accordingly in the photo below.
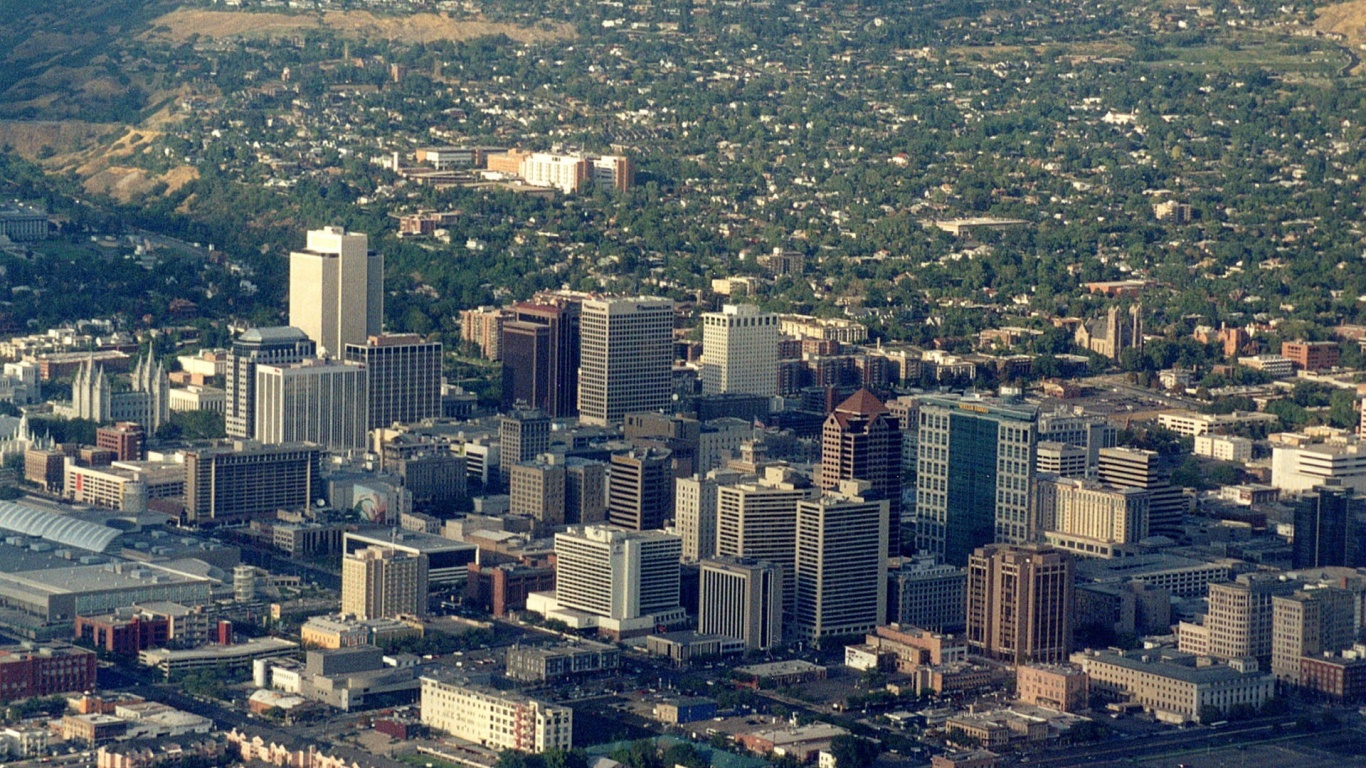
(853, 751)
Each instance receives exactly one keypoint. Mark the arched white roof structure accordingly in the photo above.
(59, 529)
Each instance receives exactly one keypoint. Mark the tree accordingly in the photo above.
(853, 751)
(685, 754)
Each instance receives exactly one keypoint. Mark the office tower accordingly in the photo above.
(640, 489)
(1078, 514)
(739, 351)
(841, 573)
(1239, 617)
(536, 489)
(975, 469)
(1020, 603)
(523, 435)
(585, 491)
(231, 483)
(1132, 468)
(1061, 459)
(861, 440)
(759, 520)
(741, 599)
(402, 377)
(1090, 432)
(1328, 528)
(316, 401)
(695, 511)
(540, 351)
(498, 720)
(379, 582)
(626, 362)
(336, 289)
(264, 346)
(926, 594)
(628, 581)
(1310, 622)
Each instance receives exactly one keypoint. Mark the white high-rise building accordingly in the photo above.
(695, 511)
(621, 582)
(740, 351)
(314, 401)
(841, 571)
(759, 520)
(336, 289)
(626, 357)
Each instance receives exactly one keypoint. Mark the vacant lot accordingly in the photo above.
(180, 25)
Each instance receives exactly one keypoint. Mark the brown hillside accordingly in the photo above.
(179, 25)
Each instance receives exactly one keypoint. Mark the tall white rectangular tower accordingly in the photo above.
(740, 351)
(336, 289)
(626, 358)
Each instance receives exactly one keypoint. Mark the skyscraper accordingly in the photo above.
(536, 489)
(1328, 527)
(585, 491)
(1239, 617)
(540, 350)
(1133, 468)
(626, 581)
(258, 346)
(841, 573)
(315, 401)
(640, 489)
(402, 375)
(759, 520)
(739, 351)
(379, 582)
(523, 435)
(626, 363)
(975, 466)
(742, 599)
(861, 440)
(1020, 603)
(336, 289)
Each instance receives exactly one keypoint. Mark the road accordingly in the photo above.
(1151, 746)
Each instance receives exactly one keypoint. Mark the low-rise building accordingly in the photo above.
(780, 674)
(684, 646)
(1174, 686)
(689, 710)
(1223, 447)
(31, 669)
(540, 664)
(802, 742)
(347, 631)
(1055, 686)
(173, 662)
(495, 719)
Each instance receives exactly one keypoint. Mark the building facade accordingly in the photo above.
(495, 719)
(265, 346)
(402, 378)
(1020, 602)
(626, 357)
(741, 599)
(336, 289)
(378, 582)
(315, 401)
(841, 568)
(739, 351)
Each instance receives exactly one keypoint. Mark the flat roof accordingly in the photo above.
(97, 578)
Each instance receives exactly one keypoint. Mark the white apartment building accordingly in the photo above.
(336, 289)
(740, 351)
(621, 582)
(314, 401)
(566, 173)
(495, 719)
(626, 357)
(1223, 447)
